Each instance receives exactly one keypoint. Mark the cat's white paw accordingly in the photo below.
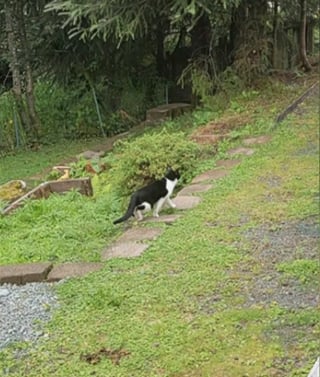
(155, 215)
(173, 205)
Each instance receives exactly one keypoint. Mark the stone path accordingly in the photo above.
(134, 241)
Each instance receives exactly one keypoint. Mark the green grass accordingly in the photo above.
(179, 309)
(24, 164)
(62, 228)
(303, 269)
(261, 103)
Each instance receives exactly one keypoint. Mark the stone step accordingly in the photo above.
(186, 202)
(241, 150)
(194, 189)
(72, 269)
(139, 234)
(24, 273)
(129, 244)
(210, 175)
(257, 140)
(166, 219)
(124, 250)
(228, 164)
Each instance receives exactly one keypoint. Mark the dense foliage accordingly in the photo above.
(77, 69)
(135, 163)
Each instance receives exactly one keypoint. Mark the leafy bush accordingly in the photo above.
(134, 163)
(66, 112)
(119, 121)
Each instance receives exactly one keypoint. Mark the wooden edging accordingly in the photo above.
(83, 185)
(295, 103)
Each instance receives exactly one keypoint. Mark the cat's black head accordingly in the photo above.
(172, 174)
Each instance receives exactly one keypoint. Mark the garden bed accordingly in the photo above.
(82, 185)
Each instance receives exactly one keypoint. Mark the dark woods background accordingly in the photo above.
(70, 70)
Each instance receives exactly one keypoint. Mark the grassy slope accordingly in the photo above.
(52, 230)
(180, 308)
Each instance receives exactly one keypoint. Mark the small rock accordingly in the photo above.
(4, 292)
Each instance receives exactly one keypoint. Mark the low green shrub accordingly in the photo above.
(135, 163)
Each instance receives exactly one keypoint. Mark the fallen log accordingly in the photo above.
(296, 103)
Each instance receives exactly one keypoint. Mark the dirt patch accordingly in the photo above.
(271, 181)
(213, 132)
(284, 242)
(258, 281)
(311, 149)
(114, 355)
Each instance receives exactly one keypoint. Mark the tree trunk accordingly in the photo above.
(302, 38)
(310, 41)
(31, 108)
(200, 37)
(160, 58)
(275, 35)
(14, 65)
(236, 36)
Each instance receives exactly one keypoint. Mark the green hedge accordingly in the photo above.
(134, 163)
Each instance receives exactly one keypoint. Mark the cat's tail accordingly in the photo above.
(130, 211)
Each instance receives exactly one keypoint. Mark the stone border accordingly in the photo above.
(44, 272)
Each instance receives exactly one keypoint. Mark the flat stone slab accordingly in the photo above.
(124, 250)
(241, 150)
(186, 202)
(67, 270)
(257, 140)
(167, 219)
(171, 110)
(24, 273)
(210, 175)
(139, 234)
(228, 164)
(194, 189)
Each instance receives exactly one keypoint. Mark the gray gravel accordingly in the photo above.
(23, 311)
(283, 242)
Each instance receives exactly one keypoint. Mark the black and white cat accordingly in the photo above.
(154, 195)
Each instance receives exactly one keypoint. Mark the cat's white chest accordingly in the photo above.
(170, 185)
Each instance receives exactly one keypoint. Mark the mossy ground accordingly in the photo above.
(194, 303)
